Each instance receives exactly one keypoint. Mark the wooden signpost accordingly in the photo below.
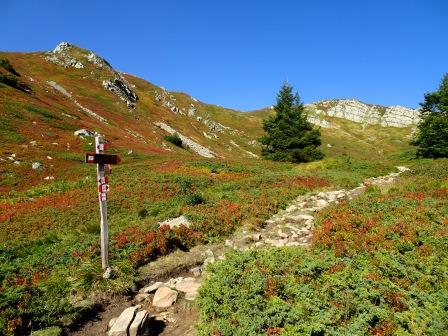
(103, 161)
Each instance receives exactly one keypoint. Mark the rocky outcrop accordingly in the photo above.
(194, 146)
(60, 56)
(121, 89)
(98, 61)
(396, 116)
(320, 122)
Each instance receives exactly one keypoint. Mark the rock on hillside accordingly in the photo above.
(354, 110)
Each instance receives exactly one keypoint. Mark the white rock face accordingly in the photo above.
(320, 122)
(194, 146)
(61, 47)
(59, 56)
(396, 116)
(98, 61)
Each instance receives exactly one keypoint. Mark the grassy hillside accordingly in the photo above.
(49, 248)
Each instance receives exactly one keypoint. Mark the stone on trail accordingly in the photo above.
(190, 287)
(197, 271)
(121, 325)
(304, 217)
(256, 237)
(164, 297)
(140, 297)
(139, 324)
(152, 288)
(321, 203)
(209, 260)
(402, 169)
(112, 322)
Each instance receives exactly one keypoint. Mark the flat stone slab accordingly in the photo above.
(121, 325)
(164, 297)
(153, 287)
(189, 287)
(138, 326)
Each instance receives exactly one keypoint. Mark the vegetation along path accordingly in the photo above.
(164, 306)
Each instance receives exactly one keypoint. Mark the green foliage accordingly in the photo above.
(42, 112)
(174, 139)
(289, 136)
(52, 331)
(432, 136)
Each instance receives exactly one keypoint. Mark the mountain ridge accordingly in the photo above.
(73, 88)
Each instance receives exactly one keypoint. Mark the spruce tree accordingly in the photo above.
(432, 135)
(289, 136)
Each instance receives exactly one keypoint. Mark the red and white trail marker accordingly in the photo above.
(102, 163)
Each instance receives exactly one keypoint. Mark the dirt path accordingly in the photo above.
(182, 271)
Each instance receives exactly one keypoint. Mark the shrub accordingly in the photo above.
(143, 213)
(377, 267)
(4, 63)
(174, 139)
(195, 199)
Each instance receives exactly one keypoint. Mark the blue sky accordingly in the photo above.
(238, 53)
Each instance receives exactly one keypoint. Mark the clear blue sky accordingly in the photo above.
(237, 53)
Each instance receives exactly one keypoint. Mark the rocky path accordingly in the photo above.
(164, 306)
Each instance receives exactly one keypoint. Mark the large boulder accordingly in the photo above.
(164, 297)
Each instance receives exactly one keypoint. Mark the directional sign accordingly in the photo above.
(102, 158)
(103, 162)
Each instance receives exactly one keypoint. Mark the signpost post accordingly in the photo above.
(103, 161)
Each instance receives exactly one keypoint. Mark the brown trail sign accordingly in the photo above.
(103, 161)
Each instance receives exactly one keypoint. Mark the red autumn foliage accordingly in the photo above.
(152, 244)
(270, 287)
(395, 300)
(274, 330)
(384, 329)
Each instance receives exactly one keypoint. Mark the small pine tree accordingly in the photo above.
(432, 135)
(289, 136)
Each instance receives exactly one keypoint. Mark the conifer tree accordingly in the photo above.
(289, 136)
(432, 135)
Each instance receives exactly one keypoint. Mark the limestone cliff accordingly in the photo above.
(354, 110)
